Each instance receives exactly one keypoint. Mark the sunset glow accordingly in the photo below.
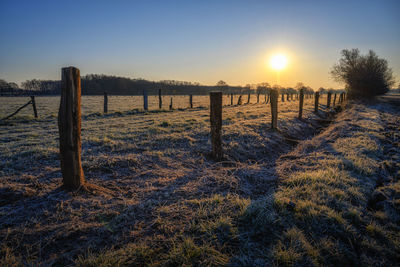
(278, 62)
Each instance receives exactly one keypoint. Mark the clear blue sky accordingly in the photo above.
(202, 41)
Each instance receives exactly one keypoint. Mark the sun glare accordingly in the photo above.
(278, 62)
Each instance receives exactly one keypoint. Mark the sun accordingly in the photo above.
(278, 62)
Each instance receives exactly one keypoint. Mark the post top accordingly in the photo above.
(70, 68)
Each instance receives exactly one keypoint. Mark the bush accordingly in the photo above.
(364, 75)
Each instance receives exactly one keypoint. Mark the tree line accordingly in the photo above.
(97, 84)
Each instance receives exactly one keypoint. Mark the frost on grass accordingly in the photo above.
(170, 203)
(337, 202)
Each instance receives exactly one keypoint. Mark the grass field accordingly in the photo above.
(48, 105)
(269, 202)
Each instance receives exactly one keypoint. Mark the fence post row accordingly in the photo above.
(328, 100)
(34, 106)
(105, 107)
(216, 124)
(316, 102)
(274, 109)
(301, 102)
(69, 125)
(191, 101)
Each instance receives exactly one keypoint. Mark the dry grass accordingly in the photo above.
(335, 201)
(172, 205)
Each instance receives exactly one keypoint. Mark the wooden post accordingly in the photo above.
(145, 100)
(268, 98)
(301, 102)
(216, 124)
(316, 102)
(191, 101)
(239, 100)
(170, 104)
(328, 100)
(334, 100)
(159, 99)
(287, 97)
(105, 107)
(34, 106)
(283, 97)
(248, 98)
(69, 126)
(265, 98)
(274, 109)
(232, 99)
(258, 98)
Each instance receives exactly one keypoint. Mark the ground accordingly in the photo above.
(305, 195)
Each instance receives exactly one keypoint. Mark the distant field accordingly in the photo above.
(48, 105)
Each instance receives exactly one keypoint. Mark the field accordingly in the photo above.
(300, 195)
(48, 105)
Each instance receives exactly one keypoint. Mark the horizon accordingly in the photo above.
(200, 42)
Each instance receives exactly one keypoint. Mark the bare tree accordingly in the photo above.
(364, 75)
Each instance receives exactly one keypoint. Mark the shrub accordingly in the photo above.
(364, 75)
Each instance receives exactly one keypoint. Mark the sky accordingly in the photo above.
(199, 41)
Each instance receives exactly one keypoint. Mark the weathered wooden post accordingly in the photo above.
(159, 99)
(105, 107)
(316, 102)
(258, 98)
(216, 124)
(283, 97)
(287, 97)
(34, 106)
(248, 98)
(69, 126)
(265, 98)
(232, 99)
(170, 104)
(328, 100)
(301, 102)
(239, 100)
(334, 100)
(191, 101)
(274, 109)
(145, 100)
